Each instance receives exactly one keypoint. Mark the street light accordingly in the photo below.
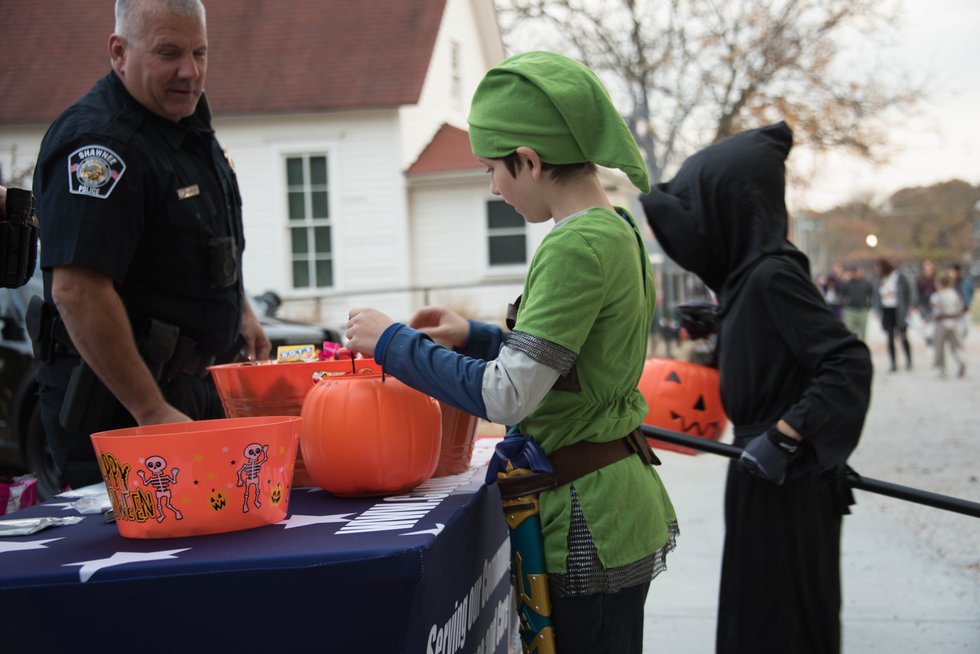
(871, 240)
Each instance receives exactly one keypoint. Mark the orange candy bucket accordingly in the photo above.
(458, 438)
(266, 388)
(196, 478)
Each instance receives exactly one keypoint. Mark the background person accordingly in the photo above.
(963, 284)
(794, 383)
(947, 308)
(141, 226)
(858, 297)
(830, 287)
(925, 286)
(566, 374)
(893, 300)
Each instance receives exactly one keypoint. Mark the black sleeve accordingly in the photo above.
(97, 225)
(831, 410)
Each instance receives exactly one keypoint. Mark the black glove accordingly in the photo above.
(768, 455)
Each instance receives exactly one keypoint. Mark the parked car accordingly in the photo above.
(22, 444)
(288, 332)
(23, 447)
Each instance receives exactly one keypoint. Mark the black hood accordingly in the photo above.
(725, 209)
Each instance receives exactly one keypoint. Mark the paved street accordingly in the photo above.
(911, 574)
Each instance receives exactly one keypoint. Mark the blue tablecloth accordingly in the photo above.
(423, 572)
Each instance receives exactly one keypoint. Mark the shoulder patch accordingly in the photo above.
(94, 170)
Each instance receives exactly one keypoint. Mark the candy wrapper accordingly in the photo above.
(19, 493)
(26, 526)
(286, 353)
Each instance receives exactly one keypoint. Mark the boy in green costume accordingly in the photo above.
(565, 377)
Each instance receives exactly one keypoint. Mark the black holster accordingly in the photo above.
(89, 405)
(18, 239)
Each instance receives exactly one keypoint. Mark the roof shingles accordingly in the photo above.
(265, 56)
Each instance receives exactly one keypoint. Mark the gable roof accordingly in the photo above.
(265, 56)
(448, 151)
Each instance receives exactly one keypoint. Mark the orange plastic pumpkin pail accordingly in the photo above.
(195, 478)
(682, 397)
(369, 434)
(270, 388)
(458, 439)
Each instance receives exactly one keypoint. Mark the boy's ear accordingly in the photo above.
(531, 160)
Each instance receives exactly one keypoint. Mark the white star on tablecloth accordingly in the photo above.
(89, 568)
(294, 521)
(435, 531)
(12, 546)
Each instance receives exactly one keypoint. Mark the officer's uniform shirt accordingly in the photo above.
(143, 200)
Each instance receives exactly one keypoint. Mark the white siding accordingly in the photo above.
(19, 145)
(367, 205)
(449, 248)
(437, 103)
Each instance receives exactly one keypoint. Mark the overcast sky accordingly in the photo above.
(941, 40)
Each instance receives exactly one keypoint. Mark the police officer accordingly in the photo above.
(142, 240)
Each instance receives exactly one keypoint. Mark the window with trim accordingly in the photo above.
(506, 235)
(308, 197)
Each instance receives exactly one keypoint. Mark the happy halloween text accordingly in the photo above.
(133, 505)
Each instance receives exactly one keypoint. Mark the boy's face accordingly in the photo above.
(519, 191)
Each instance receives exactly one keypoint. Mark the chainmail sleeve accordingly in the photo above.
(543, 351)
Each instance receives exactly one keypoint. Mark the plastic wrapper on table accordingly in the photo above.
(18, 493)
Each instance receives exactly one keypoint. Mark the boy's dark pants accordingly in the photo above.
(597, 624)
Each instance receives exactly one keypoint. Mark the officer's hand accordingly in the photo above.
(768, 456)
(364, 328)
(257, 345)
(443, 325)
(166, 413)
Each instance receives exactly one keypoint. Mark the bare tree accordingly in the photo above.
(689, 72)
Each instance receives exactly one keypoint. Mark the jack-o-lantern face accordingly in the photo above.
(276, 494)
(217, 500)
(682, 397)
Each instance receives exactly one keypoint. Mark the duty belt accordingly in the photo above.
(577, 460)
(187, 359)
(166, 351)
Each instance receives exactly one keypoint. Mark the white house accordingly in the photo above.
(346, 124)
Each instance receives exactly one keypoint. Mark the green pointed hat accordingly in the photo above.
(557, 107)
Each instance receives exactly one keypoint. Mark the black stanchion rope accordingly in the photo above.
(853, 479)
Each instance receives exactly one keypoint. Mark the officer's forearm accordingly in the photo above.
(99, 328)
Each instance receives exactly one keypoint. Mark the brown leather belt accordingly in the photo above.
(577, 460)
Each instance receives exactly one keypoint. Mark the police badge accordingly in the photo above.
(93, 170)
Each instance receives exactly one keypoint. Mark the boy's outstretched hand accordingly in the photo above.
(443, 325)
(364, 328)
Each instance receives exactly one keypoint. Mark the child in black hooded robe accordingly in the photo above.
(795, 384)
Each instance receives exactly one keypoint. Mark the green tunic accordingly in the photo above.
(589, 289)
